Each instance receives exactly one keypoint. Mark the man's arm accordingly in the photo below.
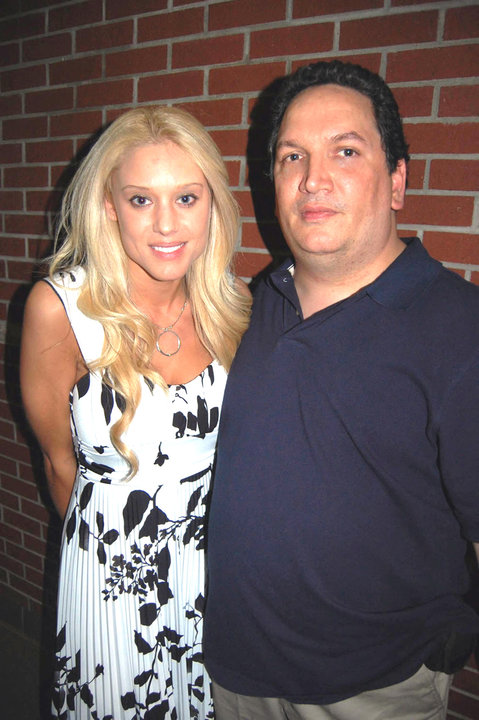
(476, 548)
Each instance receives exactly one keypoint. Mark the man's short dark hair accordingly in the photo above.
(351, 76)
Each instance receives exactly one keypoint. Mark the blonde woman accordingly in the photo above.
(125, 351)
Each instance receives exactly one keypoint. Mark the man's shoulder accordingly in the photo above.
(457, 287)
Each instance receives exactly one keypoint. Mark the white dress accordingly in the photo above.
(131, 589)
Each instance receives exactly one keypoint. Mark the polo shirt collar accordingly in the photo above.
(397, 287)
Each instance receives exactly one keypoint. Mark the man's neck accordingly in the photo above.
(323, 284)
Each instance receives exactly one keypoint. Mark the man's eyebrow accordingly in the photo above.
(352, 135)
(288, 144)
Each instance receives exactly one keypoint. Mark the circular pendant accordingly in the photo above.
(178, 342)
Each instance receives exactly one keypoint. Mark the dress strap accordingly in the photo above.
(88, 332)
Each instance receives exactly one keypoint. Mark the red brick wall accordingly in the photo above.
(66, 68)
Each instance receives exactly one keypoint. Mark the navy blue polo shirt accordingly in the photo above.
(346, 483)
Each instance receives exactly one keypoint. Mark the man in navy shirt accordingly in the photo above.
(346, 486)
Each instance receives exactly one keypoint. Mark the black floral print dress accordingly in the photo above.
(132, 581)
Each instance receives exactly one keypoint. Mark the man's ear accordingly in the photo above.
(398, 185)
(110, 208)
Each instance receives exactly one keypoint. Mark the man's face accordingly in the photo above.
(334, 194)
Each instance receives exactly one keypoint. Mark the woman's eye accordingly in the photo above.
(139, 200)
(187, 199)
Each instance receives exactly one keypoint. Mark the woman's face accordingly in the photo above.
(162, 204)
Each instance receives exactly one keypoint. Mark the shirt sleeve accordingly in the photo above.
(459, 449)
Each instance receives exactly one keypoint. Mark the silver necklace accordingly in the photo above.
(169, 329)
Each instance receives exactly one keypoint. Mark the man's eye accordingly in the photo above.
(348, 152)
(139, 200)
(292, 157)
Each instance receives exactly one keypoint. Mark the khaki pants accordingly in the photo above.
(421, 697)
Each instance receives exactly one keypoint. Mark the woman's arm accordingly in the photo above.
(50, 364)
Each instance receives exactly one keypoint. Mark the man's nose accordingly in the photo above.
(317, 176)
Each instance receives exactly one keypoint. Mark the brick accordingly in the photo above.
(231, 142)
(245, 202)
(35, 510)
(388, 30)
(238, 13)
(253, 233)
(47, 46)
(244, 78)
(34, 576)
(108, 35)
(61, 175)
(31, 127)
(69, 16)
(136, 61)
(437, 210)
(401, 3)
(454, 175)
(78, 123)
(416, 172)
(79, 70)
(10, 200)
(49, 151)
(32, 176)
(233, 168)
(9, 7)
(207, 51)
(116, 92)
(462, 23)
(20, 520)
(34, 544)
(43, 200)
(10, 54)
(22, 271)
(27, 588)
(459, 101)
(216, 112)
(10, 533)
(10, 105)
(38, 248)
(467, 680)
(414, 101)
(28, 77)
(466, 706)
(452, 247)
(49, 100)
(306, 8)
(26, 25)
(24, 556)
(11, 565)
(433, 63)
(475, 277)
(171, 24)
(20, 487)
(9, 500)
(8, 290)
(10, 153)
(124, 8)
(301, 39)
(372, 61)
(7, 429)
(248, 265)
(442, 138)
(174, 85)
(26, 224)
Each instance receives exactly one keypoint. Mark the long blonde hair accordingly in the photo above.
(86, 236)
